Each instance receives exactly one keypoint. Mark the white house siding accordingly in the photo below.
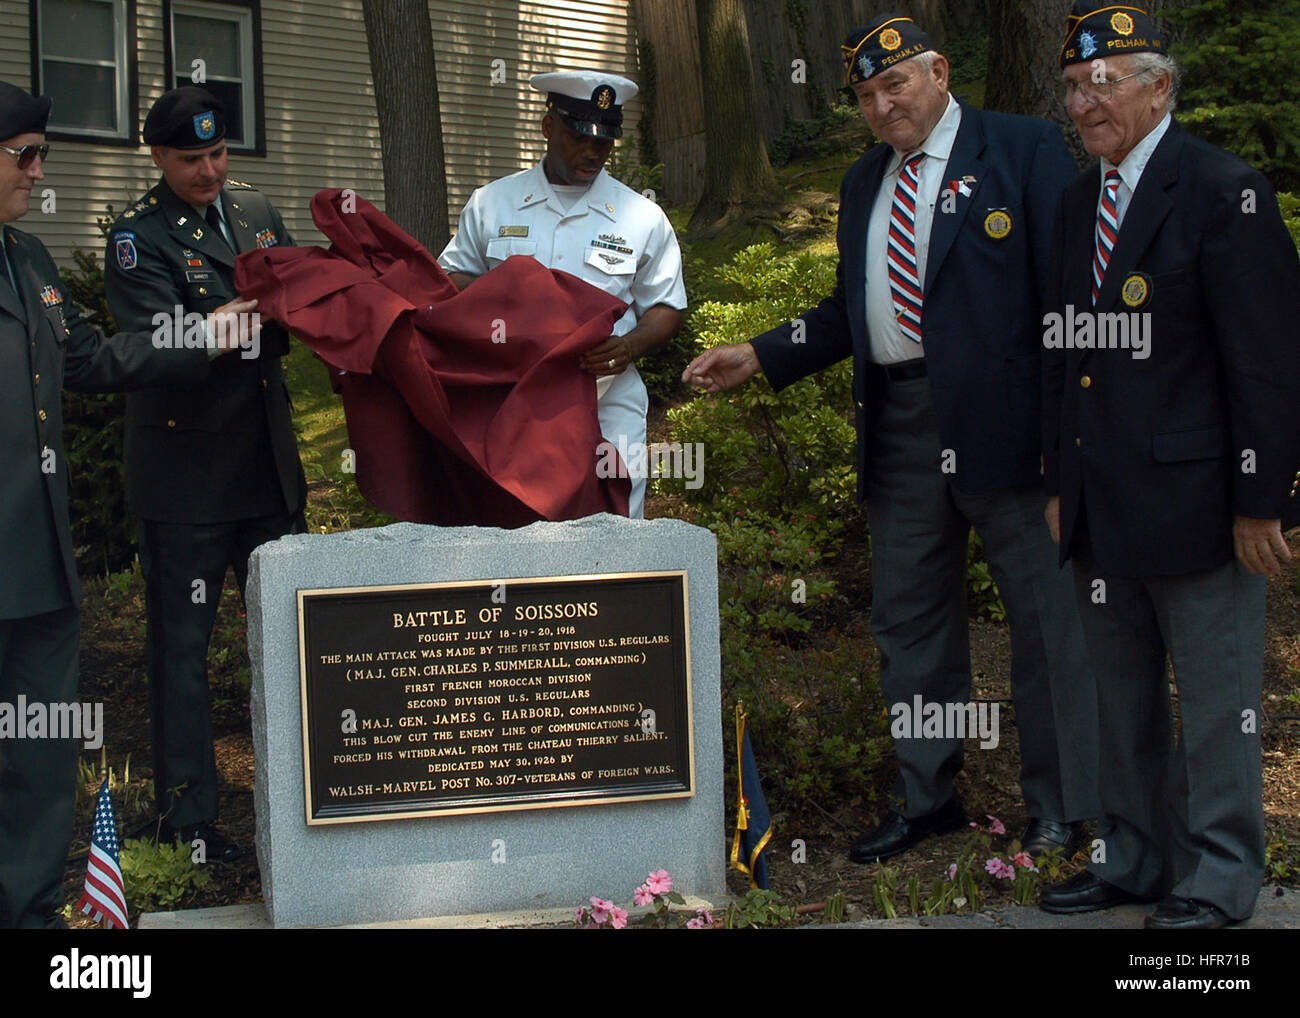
(320, 125)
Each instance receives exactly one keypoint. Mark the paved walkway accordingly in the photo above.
(1277, 908)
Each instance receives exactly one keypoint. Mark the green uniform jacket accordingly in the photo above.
(45, 344)
(223, 449)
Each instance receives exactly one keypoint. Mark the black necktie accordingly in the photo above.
(214, 220)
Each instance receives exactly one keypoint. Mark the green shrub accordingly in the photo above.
(159, 877)
(103, 532)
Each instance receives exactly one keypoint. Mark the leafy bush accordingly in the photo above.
(103, 532)
(771, 459)
(159, 877)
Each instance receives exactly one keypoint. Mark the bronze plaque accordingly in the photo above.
(447, 698)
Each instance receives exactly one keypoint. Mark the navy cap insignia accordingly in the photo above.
(890, 39)
(1135, 289)
(603, 97)
(997, 224)
(124, 249)
(205, 125)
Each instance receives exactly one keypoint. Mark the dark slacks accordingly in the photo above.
(184, 568)
(920, 527)
(38, 659)
(1184, 817)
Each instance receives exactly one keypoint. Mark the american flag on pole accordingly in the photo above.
(104, 898)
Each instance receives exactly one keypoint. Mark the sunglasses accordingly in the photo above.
(27, 154)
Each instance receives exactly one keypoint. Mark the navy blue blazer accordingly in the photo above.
(982, 309)
(1165, 450)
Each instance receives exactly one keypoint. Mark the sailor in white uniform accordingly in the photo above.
(571, 215)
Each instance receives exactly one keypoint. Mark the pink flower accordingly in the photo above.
(996, 827)
(659, 882)
(600, 910)
(952, 871)
(1024, 860)
(697, 923)
(642, 896)
(706, 915)
(999, 869)
(617, 917)
(578, 913)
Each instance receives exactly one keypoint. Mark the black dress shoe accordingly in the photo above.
(896, 834)
(216, 846)
(1042, 835)
(1184, 914)
(1085, 892)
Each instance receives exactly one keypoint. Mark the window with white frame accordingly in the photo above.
(213, 45)
(81, 62)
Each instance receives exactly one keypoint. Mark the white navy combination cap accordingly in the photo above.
(590, 102)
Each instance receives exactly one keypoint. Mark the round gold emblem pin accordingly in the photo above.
(890, 39)
(1122, 23)
(997, 224)
(1135, 291)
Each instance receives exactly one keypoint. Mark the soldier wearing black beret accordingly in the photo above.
(212, 469)
(45, 345)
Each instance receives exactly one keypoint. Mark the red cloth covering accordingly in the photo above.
(448, 425)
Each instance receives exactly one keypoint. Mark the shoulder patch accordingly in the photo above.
(239, 185)
(124, 249)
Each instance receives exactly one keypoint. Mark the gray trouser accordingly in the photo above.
(1184, 819)
(920, 526)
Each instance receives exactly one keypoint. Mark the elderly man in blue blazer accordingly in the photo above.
(1168, 460)
(944, 239)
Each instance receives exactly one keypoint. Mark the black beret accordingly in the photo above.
(882, 43)
(21, 113)
(1095, 30)
(186, 117)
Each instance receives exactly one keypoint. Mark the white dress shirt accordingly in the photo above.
(887, 344)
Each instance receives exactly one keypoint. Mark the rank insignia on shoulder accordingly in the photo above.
(1136, 289)
(267, 238)
(129, 213)
(513, 231)
(124, 249)
(231, 182)
(50, 296)
(997, 224)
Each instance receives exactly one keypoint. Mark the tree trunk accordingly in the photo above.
(736, 164)
(1025, 39)
(400, 42)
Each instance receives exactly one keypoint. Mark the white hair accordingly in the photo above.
(925, 60)
(1152, 65)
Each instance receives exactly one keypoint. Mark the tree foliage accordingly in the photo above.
(1241, 62)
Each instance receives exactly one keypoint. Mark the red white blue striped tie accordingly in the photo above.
(1107, 231)
(904, 279)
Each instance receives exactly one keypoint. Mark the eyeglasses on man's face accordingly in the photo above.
(27, 154)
